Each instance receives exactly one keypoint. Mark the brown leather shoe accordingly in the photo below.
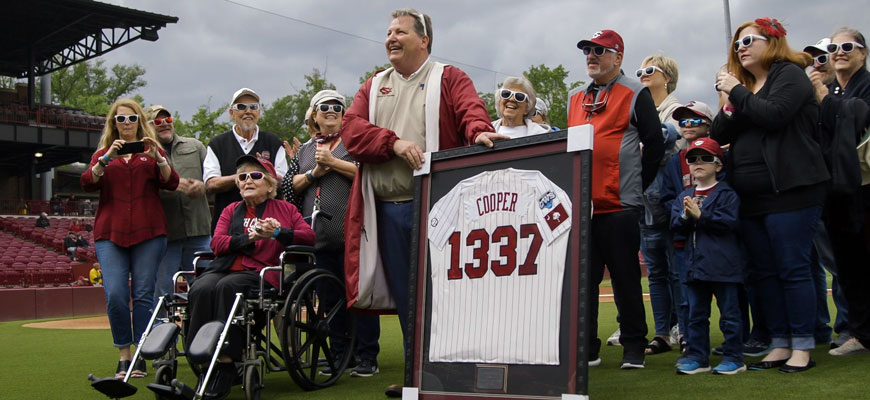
(394, 391)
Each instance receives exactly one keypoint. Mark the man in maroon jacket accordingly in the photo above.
(416, 106)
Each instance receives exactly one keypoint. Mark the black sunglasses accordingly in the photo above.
(518, 96)
(597, 50)
(132, 118)
(690, 122)
(325, 107)
(254, 175)
(705, 159)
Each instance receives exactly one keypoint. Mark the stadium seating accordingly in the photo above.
(34, 256)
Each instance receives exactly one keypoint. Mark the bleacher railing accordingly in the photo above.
(50, 115)
(61, 207)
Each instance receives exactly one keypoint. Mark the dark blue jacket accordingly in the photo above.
(712, 246)
(672, 182)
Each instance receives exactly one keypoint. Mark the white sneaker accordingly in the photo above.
(594, 363)
(852, 346)
(843, 337)
(613, 340)
(675, 335)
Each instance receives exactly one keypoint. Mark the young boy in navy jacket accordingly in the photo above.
(706, 215)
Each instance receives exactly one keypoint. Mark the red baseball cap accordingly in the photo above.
(707, 145)
(266, 164)
(606, 38)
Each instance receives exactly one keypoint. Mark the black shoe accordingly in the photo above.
(788, 369)
(221, 381)
(365, 369)
(762, 365)
(394, 391)
(632, 361)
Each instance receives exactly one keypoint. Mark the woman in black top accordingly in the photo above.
(844, 117)
(319, 178)
(770, 119)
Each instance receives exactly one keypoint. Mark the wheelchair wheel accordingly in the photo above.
(163, 376)
(252, 383)
(306, 332)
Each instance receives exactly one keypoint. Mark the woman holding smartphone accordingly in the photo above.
(129, 168)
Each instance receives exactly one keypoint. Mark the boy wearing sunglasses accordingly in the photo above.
(706, 215)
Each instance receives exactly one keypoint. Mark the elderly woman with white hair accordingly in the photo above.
(515, 106)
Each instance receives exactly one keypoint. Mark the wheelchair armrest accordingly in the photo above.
(204, 254)
(299, 249)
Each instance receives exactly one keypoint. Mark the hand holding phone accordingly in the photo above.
(132, 148)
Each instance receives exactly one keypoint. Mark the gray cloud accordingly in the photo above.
(218, 46)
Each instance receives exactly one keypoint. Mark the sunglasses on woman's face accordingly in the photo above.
(324, 108)
(705, 159)
(649, 71)
(254, 175)
(161, 121)
(518, 96)
(847, 47)
(691, 122)
(245, 106)
(123, 119)
(746, 41)
(597, 50)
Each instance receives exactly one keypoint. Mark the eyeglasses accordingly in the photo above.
(590, 105)
(847, 47)
(518, 96)
(690, 122)
(326, 107)
(746, 41)
(254, 175)
(422, 22)
(649, 71)
(597, 50)
(705, 159)
(161, 121)
(821, 60)
(123, 119)
(245, 106)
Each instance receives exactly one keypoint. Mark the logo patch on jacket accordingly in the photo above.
(386, 91)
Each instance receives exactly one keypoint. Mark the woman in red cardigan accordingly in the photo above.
(130, 228)
(250, 235)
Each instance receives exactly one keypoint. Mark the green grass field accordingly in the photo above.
(54, 364)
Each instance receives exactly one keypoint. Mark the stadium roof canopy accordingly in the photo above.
(42, 36)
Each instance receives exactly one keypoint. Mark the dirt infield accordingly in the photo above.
(102, 322)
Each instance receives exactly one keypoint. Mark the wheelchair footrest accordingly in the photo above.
(159, 341)
(168, 392)
(203, 346)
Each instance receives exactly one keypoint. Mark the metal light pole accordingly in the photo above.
(727, 24)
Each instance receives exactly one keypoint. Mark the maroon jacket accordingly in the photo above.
(130, 211)
(462, 117)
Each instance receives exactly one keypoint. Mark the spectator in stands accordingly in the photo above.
(87, 225)
(245, 137)
(624, 116)
(81, 241)
(319, 178)
(187, 215)
(56, 205)
(72, 205)
(96, 275)
(42, 221)
(75, 227)
(515, 106)
(70, 244)
(130, 227)
(250, 235)
(770, 120)
(844, 117)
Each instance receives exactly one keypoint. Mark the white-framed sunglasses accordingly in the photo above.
(123, 119)
(324, 108)
(519, 97)
(245, 106)
(648, 71)
(847, 47)
(746, 41)
(821, 60)
(422, 22)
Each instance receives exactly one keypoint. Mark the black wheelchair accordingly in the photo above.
(296, 310)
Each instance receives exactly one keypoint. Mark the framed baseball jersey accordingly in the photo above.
(499, 277)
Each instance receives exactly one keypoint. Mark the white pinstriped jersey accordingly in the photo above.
(497, 244)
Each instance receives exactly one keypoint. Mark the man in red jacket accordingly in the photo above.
(415, 106)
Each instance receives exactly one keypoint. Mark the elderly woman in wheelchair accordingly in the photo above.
(250, 235)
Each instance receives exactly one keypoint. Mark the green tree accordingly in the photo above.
(489, 101)
(93, 87)
(551, 86)
(369, 74)
(286, 115)
(204, 124)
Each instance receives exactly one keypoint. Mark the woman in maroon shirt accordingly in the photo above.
(130, 228)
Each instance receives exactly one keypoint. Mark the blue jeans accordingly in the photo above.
(664, 281)
(394, 245)
(368, 326)
(179, 257)
(678, 263)
(779, 246)
(126, 268)
(700, 296)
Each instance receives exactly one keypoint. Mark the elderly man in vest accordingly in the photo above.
(416, 106)
(219, 168)
(188, 221)
(628, 145)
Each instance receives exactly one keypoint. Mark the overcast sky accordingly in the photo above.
(218, 46)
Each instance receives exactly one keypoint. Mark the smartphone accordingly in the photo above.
(132, 148)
